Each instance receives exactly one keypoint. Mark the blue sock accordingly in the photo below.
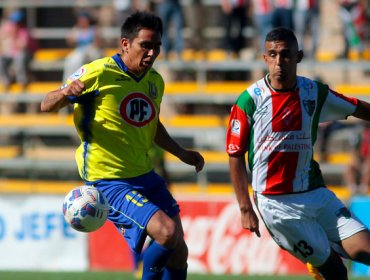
(155, 259)
(175, 274)
(137, 259)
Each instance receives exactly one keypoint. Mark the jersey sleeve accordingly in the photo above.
(337, 106)
(88, 74)
(239, 127)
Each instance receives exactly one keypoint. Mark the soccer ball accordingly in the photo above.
(85, 208)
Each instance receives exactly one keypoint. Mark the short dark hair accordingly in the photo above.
(140, 20)
(282, 34)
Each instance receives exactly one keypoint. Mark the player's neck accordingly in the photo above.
(282, 86)
(130, 67)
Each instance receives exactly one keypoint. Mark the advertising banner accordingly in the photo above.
(34, 235)
(217, 243)
(360, 205)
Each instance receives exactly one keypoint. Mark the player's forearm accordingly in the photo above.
(166, 142)
(239, 179)
(54, 101)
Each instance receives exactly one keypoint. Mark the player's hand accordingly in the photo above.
(193, 158)
(74, 89)
(249, 221)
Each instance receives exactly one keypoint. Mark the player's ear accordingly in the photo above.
(124, 44)
(300, 56)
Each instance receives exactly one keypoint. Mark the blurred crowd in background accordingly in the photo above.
(244, 23)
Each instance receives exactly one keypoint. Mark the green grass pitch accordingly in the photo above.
(16, 275)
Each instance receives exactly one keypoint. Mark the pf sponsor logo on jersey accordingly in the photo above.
(137, 109)
(78, 74)
(235, 127)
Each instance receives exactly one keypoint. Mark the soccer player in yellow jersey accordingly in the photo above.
(116, 113)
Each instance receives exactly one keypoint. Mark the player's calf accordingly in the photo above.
(333, 268)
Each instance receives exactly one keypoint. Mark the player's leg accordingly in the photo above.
(333, 268)
(291, 220)
(168, 253)
(166, 230)
(162, 229)
(134, 215)
(349, 237)
(357, 247)
(176, 267)
(20, 68)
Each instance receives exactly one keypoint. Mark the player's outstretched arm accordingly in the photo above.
(362, 111)
(166, 142)
(57, 99)
(239, 179)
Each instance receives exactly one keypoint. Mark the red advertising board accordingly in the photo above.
(217, 243)
(108, 250)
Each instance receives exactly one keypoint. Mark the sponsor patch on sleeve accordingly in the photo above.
(235, 127)
(78, 74)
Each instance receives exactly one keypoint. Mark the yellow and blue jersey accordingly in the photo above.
(116, 118)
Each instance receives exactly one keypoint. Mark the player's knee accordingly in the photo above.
(164, 230)
(166, 234)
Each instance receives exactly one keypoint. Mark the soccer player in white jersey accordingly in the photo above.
(275, 121)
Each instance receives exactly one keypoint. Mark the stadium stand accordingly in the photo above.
(199, 92)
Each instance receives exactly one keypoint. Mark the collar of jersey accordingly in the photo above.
(123, 67)
(268, 82)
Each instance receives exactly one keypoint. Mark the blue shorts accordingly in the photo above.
(134, 201)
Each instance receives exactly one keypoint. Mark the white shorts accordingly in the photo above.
(305, 224)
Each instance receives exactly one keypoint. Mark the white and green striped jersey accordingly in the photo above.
(278, 129)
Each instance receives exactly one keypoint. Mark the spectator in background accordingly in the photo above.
(124, 8)
(353, 17)
(262, 11)
(307, 21)
(86, 41)
(16, 50)
(196, 21)
(235, 16)
(282, 15)
(358, 171)
(171, 13)
(324, 135)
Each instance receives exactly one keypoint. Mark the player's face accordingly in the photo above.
(140, 53)
(281, 59)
